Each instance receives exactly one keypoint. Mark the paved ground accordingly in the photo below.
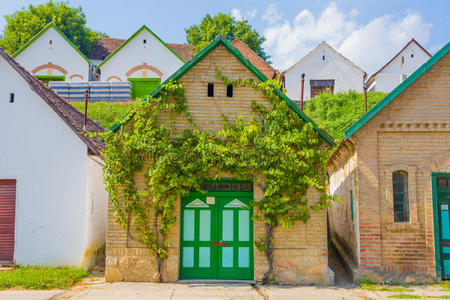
(188, 291)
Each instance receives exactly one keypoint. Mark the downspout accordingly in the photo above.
(365, 92)
(301, 94)
(86, 95)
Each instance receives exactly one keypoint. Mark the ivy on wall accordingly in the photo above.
(274, 148)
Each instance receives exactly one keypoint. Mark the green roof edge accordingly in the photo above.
(44, 30)
(400, 88)
(143, 27)
(204, 52)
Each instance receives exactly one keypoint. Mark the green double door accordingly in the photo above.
(442, 186)
(216, 237)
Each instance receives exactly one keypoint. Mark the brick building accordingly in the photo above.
(392, 171)
(195, 251)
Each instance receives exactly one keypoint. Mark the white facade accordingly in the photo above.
(60, 199)
(50, 54)
(408, 60)
(323, 63)
(142, 56)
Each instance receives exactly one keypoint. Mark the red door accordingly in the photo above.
(7, 214)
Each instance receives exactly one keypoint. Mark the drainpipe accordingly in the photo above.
(86, 95)
(365, 98)
(301, 94)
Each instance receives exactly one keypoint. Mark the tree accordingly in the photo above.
(226, 25)
(22, 25)
(336, 113)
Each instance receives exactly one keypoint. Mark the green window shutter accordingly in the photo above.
(351, 202)
(142, 87)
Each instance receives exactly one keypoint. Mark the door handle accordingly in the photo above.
(220, 243)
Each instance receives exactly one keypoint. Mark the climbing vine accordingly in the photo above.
(274, 148)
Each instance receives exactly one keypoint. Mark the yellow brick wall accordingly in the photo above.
(301, 254)
(412, 133)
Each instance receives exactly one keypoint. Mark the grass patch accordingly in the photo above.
(440, 297)
(105, 113)
(380, 288)
(41, 278)
(445, 285)
(405, 296)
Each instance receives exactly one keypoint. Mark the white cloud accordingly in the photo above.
(369, 45)
(236, 13)
(252, 13)
(271, 15)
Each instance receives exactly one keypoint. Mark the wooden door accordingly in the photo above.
(7, 219)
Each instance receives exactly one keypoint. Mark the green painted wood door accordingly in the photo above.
(216, 237)
(443, 208)
(142, 87)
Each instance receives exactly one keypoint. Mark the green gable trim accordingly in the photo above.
(131, 38)
(400, 88)
(40, 33)
(205, 51)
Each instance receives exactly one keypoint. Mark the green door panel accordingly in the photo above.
(216, 236)
(142, 87)
(442, 212)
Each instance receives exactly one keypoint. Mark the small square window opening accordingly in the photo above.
(323, 57)
(210, 89)
(145, 41)
(11, 98)
(230, 90)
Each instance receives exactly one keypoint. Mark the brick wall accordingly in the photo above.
(301, 254)
(412, 133)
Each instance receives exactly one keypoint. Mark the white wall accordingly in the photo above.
(391, 76)
(60, 53)
(96, 212)
(345, 75)
(49, 162)
(135, 53)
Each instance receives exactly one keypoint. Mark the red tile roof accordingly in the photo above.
(66, 111)
(106, 46)
(254, 58)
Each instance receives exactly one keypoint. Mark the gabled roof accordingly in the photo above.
(40, 33)
(220, 40)
(400, 88)
(321, 45)
(131, 38)
(254, 58)
(106, 46)
(372, 77)
(68, 113)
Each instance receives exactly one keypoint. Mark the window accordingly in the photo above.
(145, 41)
(320, 86)
(11, 97)
(230, 90)
(400, 193)
(210, 89)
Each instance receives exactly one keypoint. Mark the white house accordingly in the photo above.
(51, 56)
(53, 205)
(395, 71)
(325, 69)
(144, 59)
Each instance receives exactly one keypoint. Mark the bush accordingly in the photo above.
(336, 113)
(105, 113)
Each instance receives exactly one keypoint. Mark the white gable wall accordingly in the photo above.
(50, 163)
(60, 53)
(391, 76)
(135, 53)
(345, 75)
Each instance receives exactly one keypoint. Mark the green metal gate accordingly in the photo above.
(441, 199)
(217, 233)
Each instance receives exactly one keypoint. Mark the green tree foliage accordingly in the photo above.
(226, 25)
(336, 113)
(274, 148)
(22, 25)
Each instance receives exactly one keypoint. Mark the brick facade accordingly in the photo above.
(301, 252)
(412, 133)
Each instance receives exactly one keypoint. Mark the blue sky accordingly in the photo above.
(367, 32)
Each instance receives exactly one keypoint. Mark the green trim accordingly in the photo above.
(400, 88)
(40, 33)
(131, 38)
(43, 77)
(437, 248)
(351, 202)
(144, 79)
(204, 52)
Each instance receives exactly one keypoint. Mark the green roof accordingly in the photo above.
(131, 38)
(205, 51)
(44, 30)
(400, 88)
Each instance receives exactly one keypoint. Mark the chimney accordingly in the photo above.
(302, 89)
